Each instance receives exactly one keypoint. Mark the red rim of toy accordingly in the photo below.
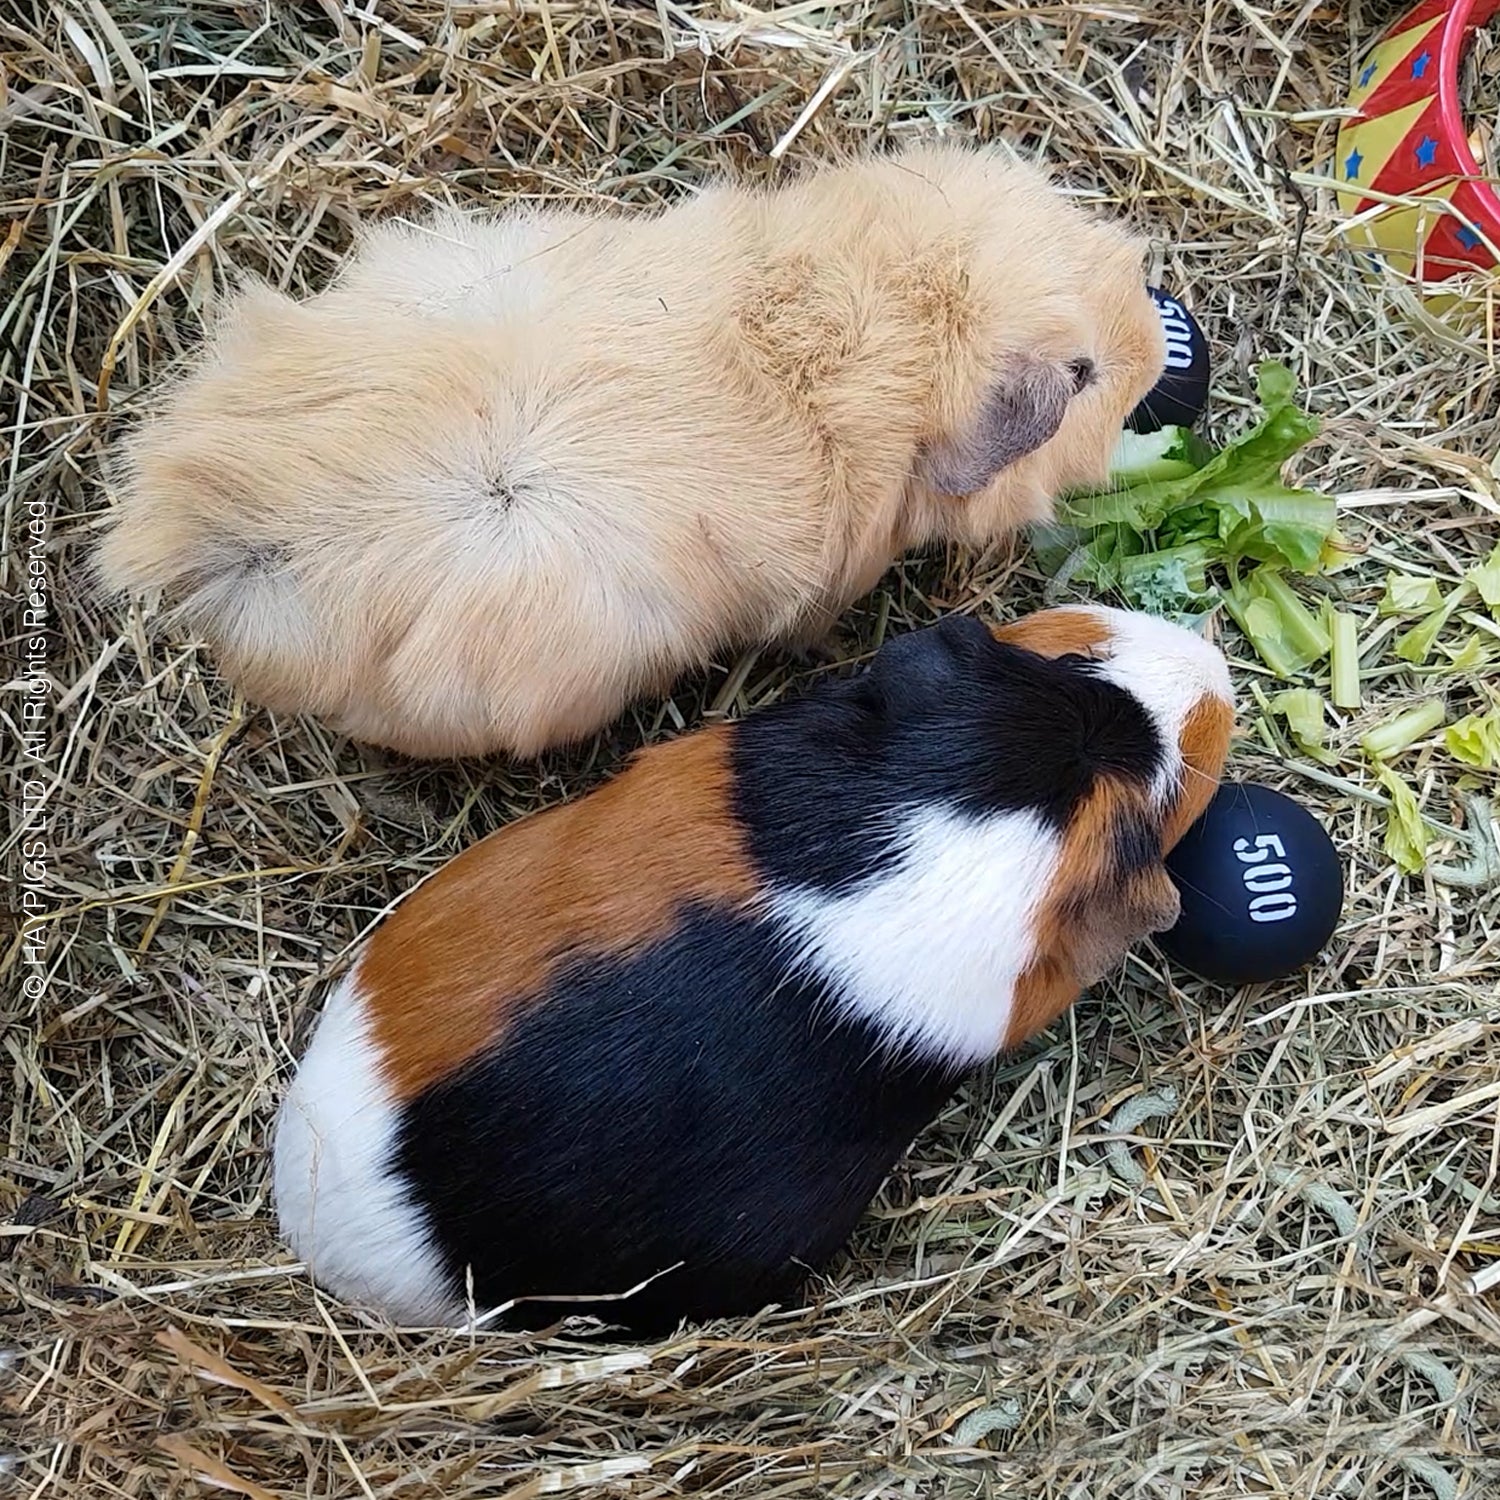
(1459, 22)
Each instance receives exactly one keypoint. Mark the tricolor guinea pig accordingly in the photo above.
(669, 1039)
(508, 474)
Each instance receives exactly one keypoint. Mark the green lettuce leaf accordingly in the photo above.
(1304, 714)
(1475, 740)
(1409, 595)
(1416, 645)
(1151, 457)
(1406, 834)
(1286, 635)
(1486, 578)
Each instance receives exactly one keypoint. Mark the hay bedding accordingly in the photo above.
(1193, 1244)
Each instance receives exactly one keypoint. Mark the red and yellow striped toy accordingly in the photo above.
(1408, 140)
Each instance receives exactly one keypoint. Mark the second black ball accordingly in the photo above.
(1178, 398)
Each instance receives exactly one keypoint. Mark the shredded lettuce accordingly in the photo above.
(1175, 508)
(1416, 645)
(1406, 832)
(1303, 711)
(1398, 735)
(1473, 654)
(1286, 635)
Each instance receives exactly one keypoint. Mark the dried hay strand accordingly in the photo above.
(1191, 1243)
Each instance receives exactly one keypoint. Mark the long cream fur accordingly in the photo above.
(508, 474)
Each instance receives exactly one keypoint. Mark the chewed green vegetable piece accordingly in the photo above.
(1486, 578)
(1303, 711)
(1153, 457)
(1343, 659)
(1406, 834)
(1399, 734)
(1474, 653)
(1407, 594)
(1285, 633)
(1416, 645)
(1475, 740)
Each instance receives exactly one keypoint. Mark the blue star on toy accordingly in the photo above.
(1419, 64)
(1352, 163)
(1367, 75)
(1467, 237)
(1426, 151)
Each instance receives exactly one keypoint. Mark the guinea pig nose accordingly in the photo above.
(1082, 371)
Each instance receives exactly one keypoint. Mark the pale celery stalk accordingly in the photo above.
(1401, 733)
(1301, 625)
(1343, 659)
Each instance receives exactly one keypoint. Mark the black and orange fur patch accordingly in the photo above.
(605, 875)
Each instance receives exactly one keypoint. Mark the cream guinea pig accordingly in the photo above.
(509, 474)
(669, 1039)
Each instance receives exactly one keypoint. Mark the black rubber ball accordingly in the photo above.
(1261, 887)
(1178, 398)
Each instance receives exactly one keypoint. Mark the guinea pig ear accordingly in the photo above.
(1114, 886)
(1119, 917)
(1110, 890)
(1021, 411)
(919, 671)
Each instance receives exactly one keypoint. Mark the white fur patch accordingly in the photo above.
(342, 1210)
(930, 951)
(1169, 670)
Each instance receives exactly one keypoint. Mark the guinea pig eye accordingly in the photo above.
(1082, 370)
